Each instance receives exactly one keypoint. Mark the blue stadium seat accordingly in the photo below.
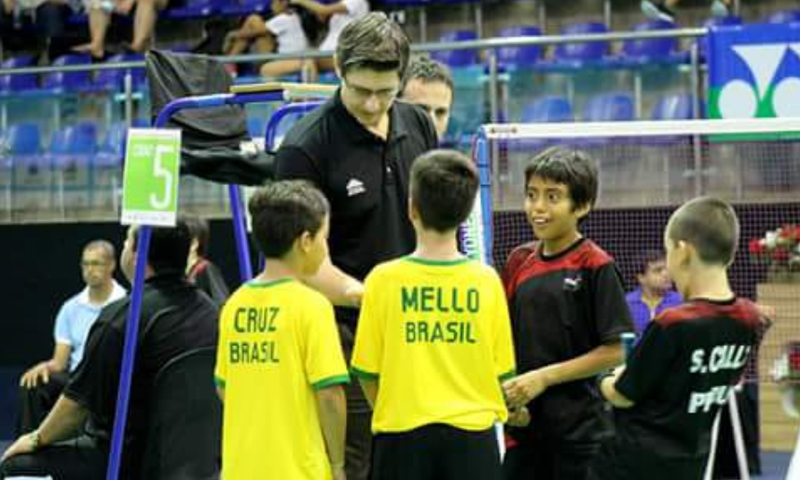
(106, 169)
(609, 107)
(114, 79)
(457, 58)
(241, 8)
(32, 175)
(192, 9)
(579, 55)
(673, 107)
(23, 139)
(18, 83)
(71, 152)
(784, 16)
(68, 81)
(519, 56)
(255, 126)
(548, 109)
(651, 51)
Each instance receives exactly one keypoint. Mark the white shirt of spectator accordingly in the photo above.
(355, 10)
(288, 32)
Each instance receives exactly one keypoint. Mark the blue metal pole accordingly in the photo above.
(128, 354)
(240, 231)
(485, 170)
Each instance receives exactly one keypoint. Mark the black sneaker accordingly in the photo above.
(657, 11)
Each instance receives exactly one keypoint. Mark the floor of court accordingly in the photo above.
(773, 464)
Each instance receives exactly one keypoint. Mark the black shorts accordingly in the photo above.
(615, 462)
(550, 460)
(436, 452)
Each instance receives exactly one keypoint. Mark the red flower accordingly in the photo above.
(756, 247)
(786, 231)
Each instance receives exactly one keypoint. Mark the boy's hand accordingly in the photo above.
(524, 388)
(518, 417)
(353, 293)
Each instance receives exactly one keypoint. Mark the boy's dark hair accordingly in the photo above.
(710, 225)
(443, 188)
(648, 258)
(198, 229)
(573, 168)
(428, 70)
(169, 247)
(374, 42)
(282, 211)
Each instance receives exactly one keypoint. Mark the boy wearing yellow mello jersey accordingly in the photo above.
(279, 364)
(434, 341)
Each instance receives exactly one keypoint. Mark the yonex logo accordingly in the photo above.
(739, 99)
(355, 187)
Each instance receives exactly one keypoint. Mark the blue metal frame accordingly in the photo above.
(142, 247)
(481, 157)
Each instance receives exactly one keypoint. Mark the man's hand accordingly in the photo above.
(338, 472)
(522, 389)
(40, 373)
(519, 417)
(24, 444)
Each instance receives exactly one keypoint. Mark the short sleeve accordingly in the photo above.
(293, 163)
(368, 350)
(221, 366)
(61, 329)
(649, 363)
(324, 361)
(95, 381)
(279, 24)
(612, 316)
(505, 365)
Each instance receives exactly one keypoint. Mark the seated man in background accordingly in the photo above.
(41, 385)
(429, 84)
(176, 318)
(199, 269)
(655, 293)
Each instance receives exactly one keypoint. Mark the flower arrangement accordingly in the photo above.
(780, 251)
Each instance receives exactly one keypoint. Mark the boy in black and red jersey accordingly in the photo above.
(568, 310)
(689, 359)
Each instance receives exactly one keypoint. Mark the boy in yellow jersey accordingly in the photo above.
(280, 368)
(434, 341)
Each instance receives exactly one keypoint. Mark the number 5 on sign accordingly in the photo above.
(150, 181)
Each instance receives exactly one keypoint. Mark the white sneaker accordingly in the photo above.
(657, 11)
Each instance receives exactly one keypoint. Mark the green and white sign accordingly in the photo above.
(150, 181)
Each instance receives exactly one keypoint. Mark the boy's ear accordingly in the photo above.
(413, 213)
(336, 66)
(582, 210)
(305, 241)
(686, 252)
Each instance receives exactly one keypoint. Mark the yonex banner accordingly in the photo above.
(754, 71)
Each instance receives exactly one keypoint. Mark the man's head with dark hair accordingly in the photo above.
(373, 42)
(168, 252)
(98, 261)
(709, 226)
(560, 191)
(371, 59)
(290, 215)
(199, 231)
(429, 84)
(652, 273)
(443, 188)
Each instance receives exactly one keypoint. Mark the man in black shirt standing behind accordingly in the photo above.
(176, 318)
(358, 149)
(689, 359)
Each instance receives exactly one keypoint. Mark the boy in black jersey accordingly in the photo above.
(689, 359)
(568, 310)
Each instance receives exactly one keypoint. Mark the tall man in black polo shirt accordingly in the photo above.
(186, 320)
(358, 149)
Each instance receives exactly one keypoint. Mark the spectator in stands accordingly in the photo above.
(429, 84)
(655, 292)
(665, 9)
(48, 17)
(338, 15)
(287, 31)
(41, 385)
(199, 270)
(144, 23)
(186, 320)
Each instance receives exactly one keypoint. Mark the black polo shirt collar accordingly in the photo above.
(398, 127)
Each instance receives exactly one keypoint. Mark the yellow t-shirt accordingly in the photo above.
(278, 343)
(437, 338)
